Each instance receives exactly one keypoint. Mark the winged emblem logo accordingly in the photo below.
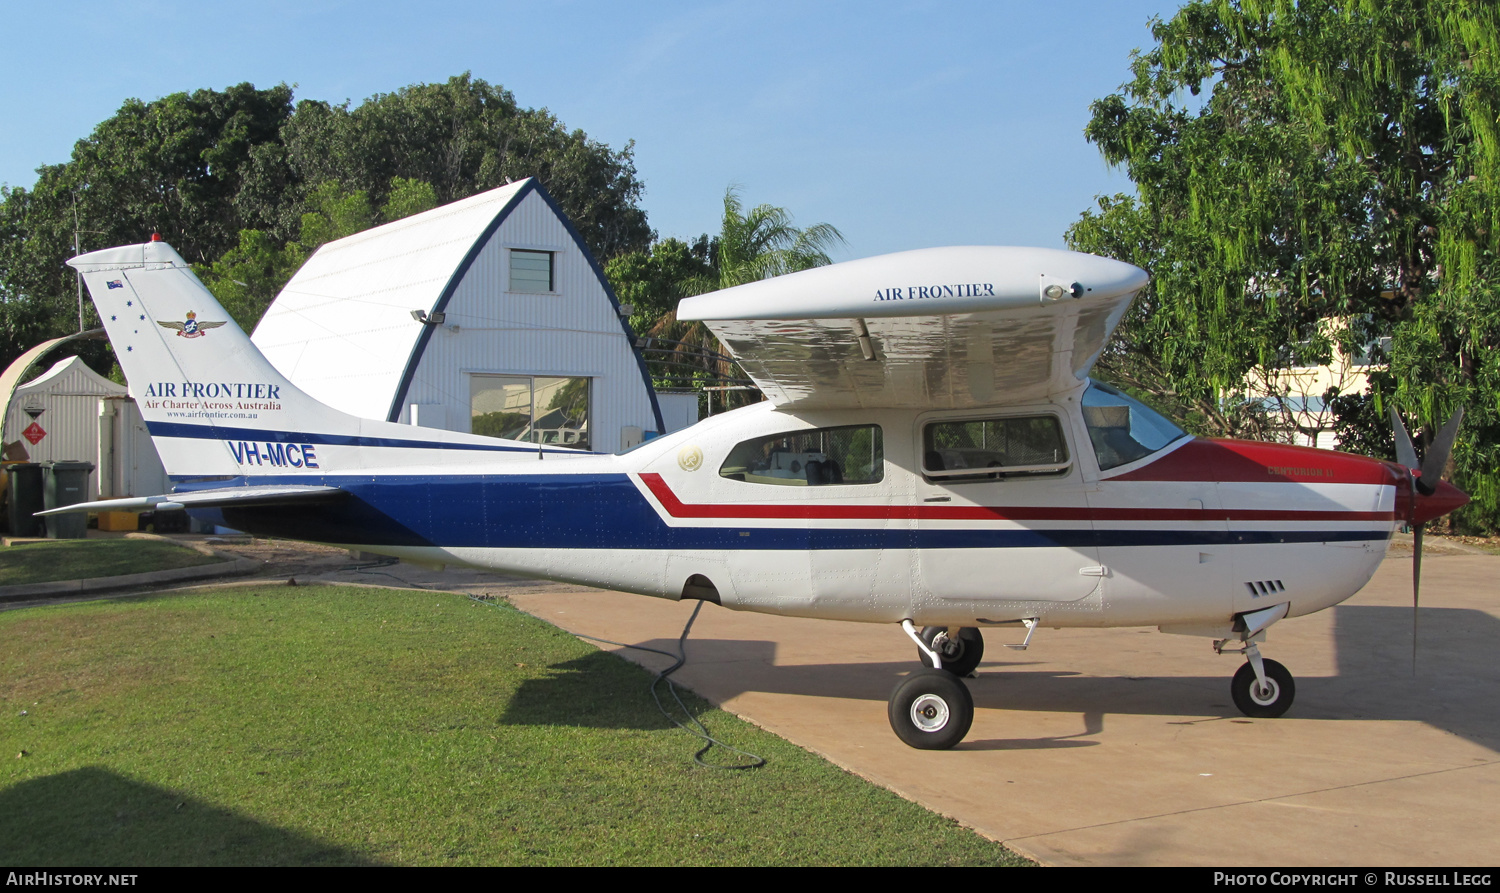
(191, 327)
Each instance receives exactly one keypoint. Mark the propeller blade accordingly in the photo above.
(1438, 453)
(1406, 454)
(1416, 589)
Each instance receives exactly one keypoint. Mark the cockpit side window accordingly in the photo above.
(995, 448)
(853, 454)
(1122, 428)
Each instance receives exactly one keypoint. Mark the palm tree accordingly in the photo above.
(762, 244)
(750, 246)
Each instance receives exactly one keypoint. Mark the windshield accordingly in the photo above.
(1122, 428)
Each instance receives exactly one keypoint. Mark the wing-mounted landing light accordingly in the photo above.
(1427, 497)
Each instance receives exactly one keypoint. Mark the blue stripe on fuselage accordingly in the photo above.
(607, 511)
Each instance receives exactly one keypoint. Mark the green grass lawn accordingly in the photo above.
(318, 725)
(86, 559)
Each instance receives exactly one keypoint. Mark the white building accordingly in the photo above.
(486, 315)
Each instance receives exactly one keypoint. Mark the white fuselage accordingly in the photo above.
(1214, 534)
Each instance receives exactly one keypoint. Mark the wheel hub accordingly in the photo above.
(1265, 695)
(929, 713)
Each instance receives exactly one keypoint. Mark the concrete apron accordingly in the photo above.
(1122, 747)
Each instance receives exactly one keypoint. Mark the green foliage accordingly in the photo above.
(1298, 162)
(654, 279)
(463, 137)
(762, 243)
(1447, 355)
(408, 197)
(172, 167)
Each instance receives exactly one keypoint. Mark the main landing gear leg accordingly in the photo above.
(960, 647)
(931, 709)
(1261, 688)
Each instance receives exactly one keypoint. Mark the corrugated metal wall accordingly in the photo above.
(70, 395)
(575, 332)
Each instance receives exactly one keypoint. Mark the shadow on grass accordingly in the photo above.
(597, 691)
(92, 816)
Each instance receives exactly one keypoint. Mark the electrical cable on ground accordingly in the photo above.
(680, 658)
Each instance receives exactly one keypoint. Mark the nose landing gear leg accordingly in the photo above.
(1261, 688)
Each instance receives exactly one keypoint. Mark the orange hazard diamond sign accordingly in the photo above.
(34, 433)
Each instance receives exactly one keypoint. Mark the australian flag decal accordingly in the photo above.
(115, 283)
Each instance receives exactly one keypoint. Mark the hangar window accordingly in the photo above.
(991, 449)
(849, 455)
(533, 408)
(531, 271)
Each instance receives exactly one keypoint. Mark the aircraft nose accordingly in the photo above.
(1443, 500)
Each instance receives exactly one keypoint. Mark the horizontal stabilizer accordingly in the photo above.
(207, 499)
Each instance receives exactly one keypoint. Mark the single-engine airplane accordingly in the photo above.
(932, 454)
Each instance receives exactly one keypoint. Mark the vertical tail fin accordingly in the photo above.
(203, 388)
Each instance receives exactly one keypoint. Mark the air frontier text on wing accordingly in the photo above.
(919, 292)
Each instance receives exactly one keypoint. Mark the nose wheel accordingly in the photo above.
(1265, 698)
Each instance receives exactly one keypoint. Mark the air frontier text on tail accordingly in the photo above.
(242, 390)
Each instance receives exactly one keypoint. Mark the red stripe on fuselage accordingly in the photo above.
(1249, 461)
(791, 511)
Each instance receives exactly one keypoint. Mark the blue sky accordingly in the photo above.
(904, 124)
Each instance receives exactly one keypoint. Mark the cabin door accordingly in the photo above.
(1002, 513)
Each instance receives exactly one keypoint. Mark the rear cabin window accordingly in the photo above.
(991, 449)
(816, 458)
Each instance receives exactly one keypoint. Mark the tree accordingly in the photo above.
(763, 243)
(465, 136)
(1299, 162)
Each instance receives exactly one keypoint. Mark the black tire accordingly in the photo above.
(1263, 705)
(931, 710)
(961, 656)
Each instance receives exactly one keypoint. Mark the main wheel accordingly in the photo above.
(960, 655)
(1267, 703)
(931, 710)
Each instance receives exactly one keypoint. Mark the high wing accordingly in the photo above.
(940, 328)
(222, 497)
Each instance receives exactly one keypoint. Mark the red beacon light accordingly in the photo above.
(156, 237)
